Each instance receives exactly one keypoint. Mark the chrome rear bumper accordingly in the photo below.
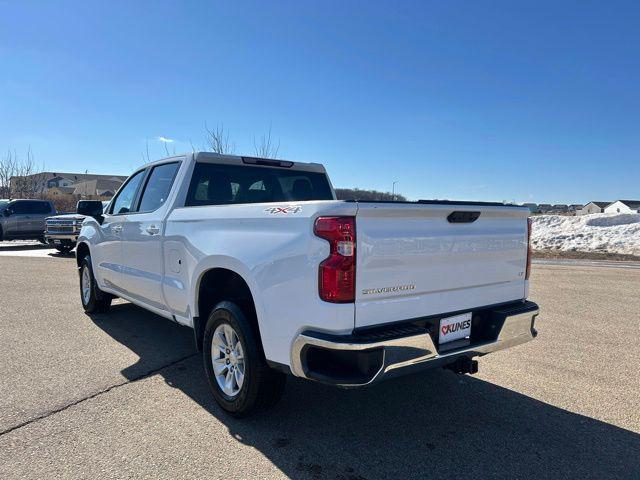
(399, 355)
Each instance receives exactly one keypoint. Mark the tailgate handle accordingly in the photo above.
(463, 217)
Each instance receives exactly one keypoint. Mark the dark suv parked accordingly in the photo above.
(24, 219)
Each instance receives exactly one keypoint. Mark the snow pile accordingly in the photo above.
(611, 233)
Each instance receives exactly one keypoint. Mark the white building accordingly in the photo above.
(623, 206)
(592, 207)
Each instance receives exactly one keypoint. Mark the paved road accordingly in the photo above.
(26, 248)
(123, 396)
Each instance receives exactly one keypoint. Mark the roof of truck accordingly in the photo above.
(244, 160)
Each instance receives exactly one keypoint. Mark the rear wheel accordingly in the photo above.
(93, 299)
(239, 377)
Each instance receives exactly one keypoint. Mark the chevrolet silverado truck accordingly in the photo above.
(275, 276)
(61, 231)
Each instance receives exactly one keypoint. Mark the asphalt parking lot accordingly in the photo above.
(123, 395)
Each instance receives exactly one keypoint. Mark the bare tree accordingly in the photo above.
(266, 149)
(21, 178)
(166, 149)
(368, 195)
(218, 140)
(7, 171)
(145, 155)
(63, 203)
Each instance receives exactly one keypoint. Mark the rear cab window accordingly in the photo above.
(215, 184)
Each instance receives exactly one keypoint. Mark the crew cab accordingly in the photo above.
(24, 219)
(275, 276)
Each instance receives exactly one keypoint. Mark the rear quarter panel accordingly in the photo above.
(277, 255)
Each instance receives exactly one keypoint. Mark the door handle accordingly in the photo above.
(153, 230)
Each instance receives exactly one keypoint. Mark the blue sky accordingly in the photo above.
(526, 101)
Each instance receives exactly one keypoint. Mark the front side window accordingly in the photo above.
(214, 184)
(126, 196)
(20, 208)
(158, 187)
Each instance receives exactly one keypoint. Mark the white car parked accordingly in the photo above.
(276, 276)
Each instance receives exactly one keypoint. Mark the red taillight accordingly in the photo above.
(337, 273)
(528, 271)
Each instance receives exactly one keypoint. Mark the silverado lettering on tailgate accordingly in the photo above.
(397, 288)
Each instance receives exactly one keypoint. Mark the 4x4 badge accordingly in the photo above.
(283, 210)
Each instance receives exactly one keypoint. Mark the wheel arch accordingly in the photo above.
(82, 250)
(220, 283)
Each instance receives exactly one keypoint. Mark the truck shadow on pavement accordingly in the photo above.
(433, 425)
(57, 254)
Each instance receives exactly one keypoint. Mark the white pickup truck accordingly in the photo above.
(276, 276)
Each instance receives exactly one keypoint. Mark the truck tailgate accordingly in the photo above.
(413, 262)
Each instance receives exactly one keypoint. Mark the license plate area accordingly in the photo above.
(455, 331)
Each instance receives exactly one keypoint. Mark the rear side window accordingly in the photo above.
(40, 207)
(158, 187)
(213, 184)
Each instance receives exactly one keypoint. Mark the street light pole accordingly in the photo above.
(393, 190)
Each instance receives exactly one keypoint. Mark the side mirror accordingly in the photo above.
(6, 212)
(90, 208)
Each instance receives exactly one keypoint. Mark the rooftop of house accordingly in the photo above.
(633, 204)
(599, 204)
(96, 186)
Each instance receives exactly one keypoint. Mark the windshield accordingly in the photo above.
(3, 204)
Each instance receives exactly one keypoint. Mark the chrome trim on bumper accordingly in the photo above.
(417, 352)
(61, 236)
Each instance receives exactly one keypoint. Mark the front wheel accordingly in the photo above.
(240, 379)
(93, 299)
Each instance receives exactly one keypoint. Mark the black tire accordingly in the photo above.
(262, 386)
(64, 250)
(97, 301)
(1, 234)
